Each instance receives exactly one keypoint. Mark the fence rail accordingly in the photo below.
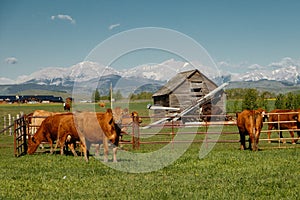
(8, 123)
(138, 134)
(173, 125)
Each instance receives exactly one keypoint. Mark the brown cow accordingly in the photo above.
(124, 119)
(289, 120)
(250, 123)
(97, 128)
(67, 134)
(68, 104)
(47, 132)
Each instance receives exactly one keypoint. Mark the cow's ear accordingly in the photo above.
(109, 110)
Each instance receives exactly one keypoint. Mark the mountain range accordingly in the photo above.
(87, 76)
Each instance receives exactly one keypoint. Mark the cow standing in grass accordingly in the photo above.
(92, 128)
(47, 132)
(288, 120)
(250, 122)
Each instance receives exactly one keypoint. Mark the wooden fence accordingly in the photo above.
(138, 134)
(8, 123)
(137, 140)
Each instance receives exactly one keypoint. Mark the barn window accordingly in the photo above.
(196, 86)
(196, 89)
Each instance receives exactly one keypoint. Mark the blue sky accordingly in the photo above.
(35, 34)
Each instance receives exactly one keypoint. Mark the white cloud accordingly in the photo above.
(284, 62)
(255, 67)
(5, 81)
(11, 60)
(63, 17)
(113, 26)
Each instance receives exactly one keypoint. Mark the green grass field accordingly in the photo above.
(225, 173)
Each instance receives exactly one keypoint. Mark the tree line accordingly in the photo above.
(251, 98)
(237, 99)
(96, 97)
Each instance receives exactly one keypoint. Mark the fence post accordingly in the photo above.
(135, 134)
(9, 124)
(4, 125)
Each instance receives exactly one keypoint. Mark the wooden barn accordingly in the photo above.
(184, 90)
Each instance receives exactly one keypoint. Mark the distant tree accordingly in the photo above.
(250, 99)
(280, 102)
(297, 100)
(96, 96)
(264, 100)
(118, 95)
(290, 101)
(142, 95)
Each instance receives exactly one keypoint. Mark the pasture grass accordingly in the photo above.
(225, 173)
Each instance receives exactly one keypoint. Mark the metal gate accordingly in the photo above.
(20, 143)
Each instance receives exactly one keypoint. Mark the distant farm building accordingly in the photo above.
(184, 90)
(30, 99)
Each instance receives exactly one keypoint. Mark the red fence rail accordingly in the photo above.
(205, 125)
(139, 134)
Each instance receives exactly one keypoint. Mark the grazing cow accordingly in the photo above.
(250, 123)
(47, 132)
(96, 128)
(67, 134)
(289, 120)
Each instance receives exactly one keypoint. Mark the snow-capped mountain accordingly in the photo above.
(83, 71)
(160, 72)
(286, 70)
(290, 74)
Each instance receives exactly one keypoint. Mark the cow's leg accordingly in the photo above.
(56, 145)
(71, 146)
(115, 154)
(97, 150)
(62, 144)
(298, 133)
(281, 137)
(243, 142)
(270, 127)
(257, 134)
(252, 142)
(50, 143)
(85, 151)
(105, 148)
(292, 136)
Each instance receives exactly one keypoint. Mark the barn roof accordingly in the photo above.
(177, 80)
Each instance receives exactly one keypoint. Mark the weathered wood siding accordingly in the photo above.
(194, 87)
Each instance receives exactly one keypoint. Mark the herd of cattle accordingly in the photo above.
(250, 122)
(100, 127)
(86, 127)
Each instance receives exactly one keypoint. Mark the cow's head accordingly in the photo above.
(136, 118)
(108, 125)
(263, 114)
(297, 116)
(32, 144)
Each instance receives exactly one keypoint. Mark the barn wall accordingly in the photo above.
(161, 100)
(194, 87)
